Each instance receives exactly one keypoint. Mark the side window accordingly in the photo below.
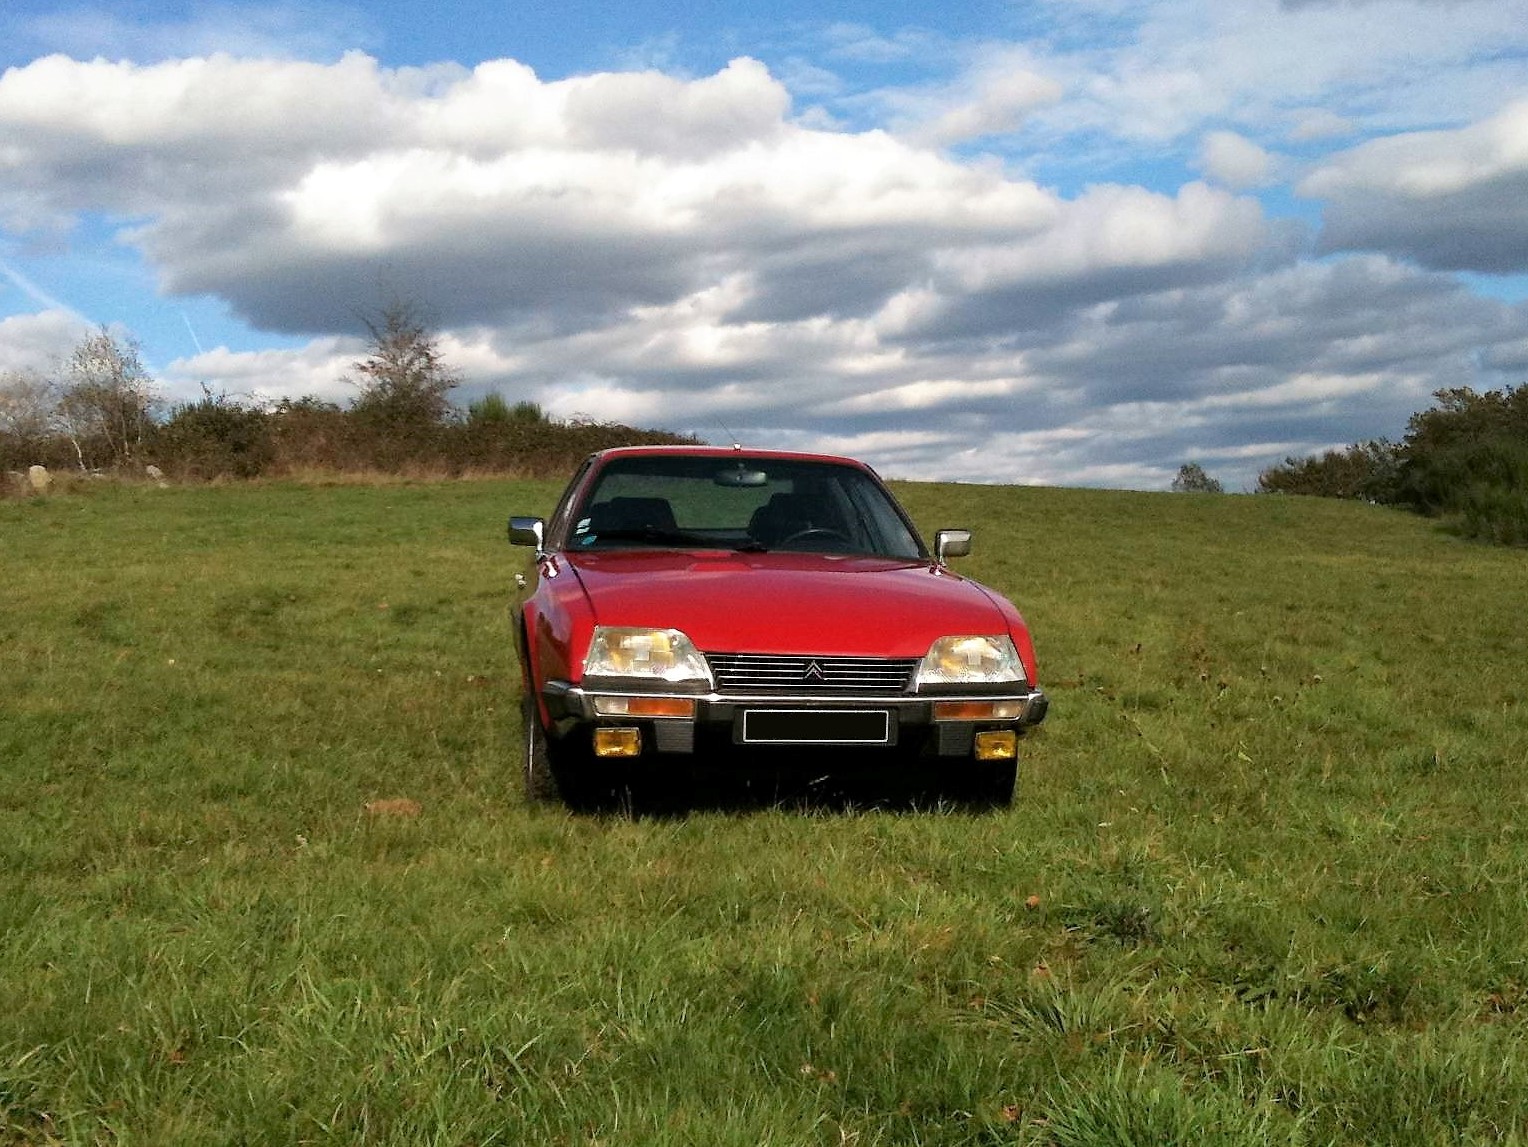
(559, 522)
(877, 518)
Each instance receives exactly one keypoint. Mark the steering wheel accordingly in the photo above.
(822, 532)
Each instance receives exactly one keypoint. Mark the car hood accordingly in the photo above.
(827, 604)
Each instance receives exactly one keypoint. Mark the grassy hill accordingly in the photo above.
(1262, 882)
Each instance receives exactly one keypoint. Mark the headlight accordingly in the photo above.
(973, 660)
(662, 654)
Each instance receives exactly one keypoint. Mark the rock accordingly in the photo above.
(156, 475)
(40, 479)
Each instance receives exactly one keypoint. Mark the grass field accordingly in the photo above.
(1263, 881)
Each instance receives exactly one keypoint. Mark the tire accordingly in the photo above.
(566, 772)
(540, 774)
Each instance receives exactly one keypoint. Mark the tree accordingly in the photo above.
(1467, 459)
(26, 404)
(27, 418)
(405, 381)
(1365, 471)
(1192, 479)
(107, 400)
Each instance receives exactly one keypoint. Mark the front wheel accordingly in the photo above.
(566, 770)
(540, 777)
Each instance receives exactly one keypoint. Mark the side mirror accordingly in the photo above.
(951, 544)
(527, 532)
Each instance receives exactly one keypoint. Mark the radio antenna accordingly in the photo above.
(731, 437)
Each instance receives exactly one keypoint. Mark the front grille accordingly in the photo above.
(767, 673)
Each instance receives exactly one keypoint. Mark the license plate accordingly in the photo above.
(816, 727)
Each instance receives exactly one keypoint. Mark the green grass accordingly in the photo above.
(1262, 882)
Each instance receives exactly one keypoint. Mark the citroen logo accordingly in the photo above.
(813, 672)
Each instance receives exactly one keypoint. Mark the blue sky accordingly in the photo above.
(1066, 241)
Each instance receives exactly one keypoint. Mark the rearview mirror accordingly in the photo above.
(740, 478)
(526, 532)
(952, 544)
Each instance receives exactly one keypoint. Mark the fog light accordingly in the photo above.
(644, 706)
(617, 742)
(997, 745)
(977, 710)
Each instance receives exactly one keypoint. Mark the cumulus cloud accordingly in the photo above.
(1234, 160)
(318, 369)
(1456, 200)
(1236, 374)
(282, 186)
(38, 342)
(692, 253)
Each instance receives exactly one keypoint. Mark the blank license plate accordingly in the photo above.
(816, 727)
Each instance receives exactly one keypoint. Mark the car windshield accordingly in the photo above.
(736, 502)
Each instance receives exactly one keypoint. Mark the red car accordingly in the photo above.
(730, 604)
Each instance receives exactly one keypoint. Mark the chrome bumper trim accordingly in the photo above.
(576, 702)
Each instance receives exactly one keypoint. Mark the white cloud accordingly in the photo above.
(1450, 199)
(1317, 124)
(1235, 374)
(1430, 165)
(38, 342)
(696, 254)
(995, 97)
(284, 186)
(1160, 70)
(1234, 160)
(318, 369)
(1111, 227)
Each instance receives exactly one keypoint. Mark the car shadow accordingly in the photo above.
(826, 784)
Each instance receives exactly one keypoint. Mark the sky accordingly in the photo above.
(1069, 242)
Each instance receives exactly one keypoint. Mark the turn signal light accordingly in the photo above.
(644, 706)
(976, 710)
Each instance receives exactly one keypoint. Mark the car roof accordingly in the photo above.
(723, 452)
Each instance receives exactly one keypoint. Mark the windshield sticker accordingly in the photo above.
(583, 526)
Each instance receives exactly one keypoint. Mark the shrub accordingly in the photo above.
(216, 437)
(1365, 471)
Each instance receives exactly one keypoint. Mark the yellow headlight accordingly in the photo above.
(973, 659)
(664, 654)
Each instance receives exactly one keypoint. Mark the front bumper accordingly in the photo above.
(911, 722)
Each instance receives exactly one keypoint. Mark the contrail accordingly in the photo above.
(32, 291)
(192, 332)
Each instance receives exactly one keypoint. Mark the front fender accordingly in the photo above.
(557, 623)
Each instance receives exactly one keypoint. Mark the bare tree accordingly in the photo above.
(106, 400)
(405, 382)
(27, 418)
(26, 405)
